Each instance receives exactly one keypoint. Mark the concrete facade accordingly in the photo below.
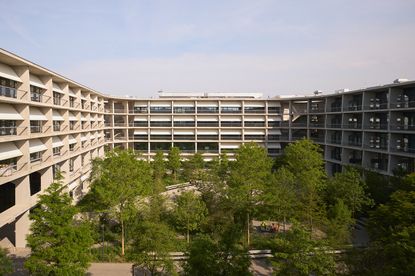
(48, 122)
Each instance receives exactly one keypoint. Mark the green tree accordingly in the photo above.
(118, 181)
(350, 188)
(210, 257)
(59, 244)
(189, 213)
(248, 177)
(392, 230)
(304, 160)
(152, 246)
(174, 162)
(6, 265)
(193, 168)
(340, 223)
(297, 253)
(159, 166)
(279, 197)
(222, 167)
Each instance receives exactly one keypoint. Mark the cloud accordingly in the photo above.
(349, 61)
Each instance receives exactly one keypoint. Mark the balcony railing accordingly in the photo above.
(231, 137)
(184, 137)
(231, 124)
(139, 124)
(376, 126)
(402, 127)
(295, 124)
(254, 110)
(403, 149)
(403, 104)
(8, 92)
(207, 124)
(207, 137)
(254, 124)
(7, 169)
(6, 131)
(36, 129)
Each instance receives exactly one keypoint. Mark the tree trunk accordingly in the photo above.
(248, 238)
(188, 236)
(122, 237)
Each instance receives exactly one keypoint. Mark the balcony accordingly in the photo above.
(184, 123)
(6, 131)
(254, 109)
(207, 137)
(36, 97)
(207, 109)
(254, 124)
(231, 124)
(7, 169)
(231, 137)
(254, 137)
(184, 137)
(160, 123)
(139, 124)
(274, 137)
(139, 137)
(403, 127)
(208, 124)
(8, 92)
(139, 110)
(274, 110)
(403, 104)
(160, 137)
(231, 110)
(155, 109)
(184, 110)
(35, 129)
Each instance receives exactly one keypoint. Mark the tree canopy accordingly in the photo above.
(189, 213)
(59, 244)
(173, 162)
(118, 181)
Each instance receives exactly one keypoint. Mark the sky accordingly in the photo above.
(139, 47)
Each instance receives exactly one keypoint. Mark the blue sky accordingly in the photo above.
(275, 47)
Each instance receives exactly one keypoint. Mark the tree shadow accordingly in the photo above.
(18, 266)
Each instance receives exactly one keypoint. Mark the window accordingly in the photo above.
(57, 97)
(8, 166)
(139, 109)
(71, 164)
(7, 127)
(35, 94)
(72, 125)
(160, 109)
(8, 88)
(183, 109)
(71, 101)
(57, 151)
(35, 126)
(82, 160)
(56, 125)
(35, 157)
(55, 169)
(229, 109)
(207, 109)
(72, 147)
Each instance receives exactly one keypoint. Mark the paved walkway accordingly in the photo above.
(110, 269)
(260, 267)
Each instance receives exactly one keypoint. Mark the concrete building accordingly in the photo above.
(48, 122)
